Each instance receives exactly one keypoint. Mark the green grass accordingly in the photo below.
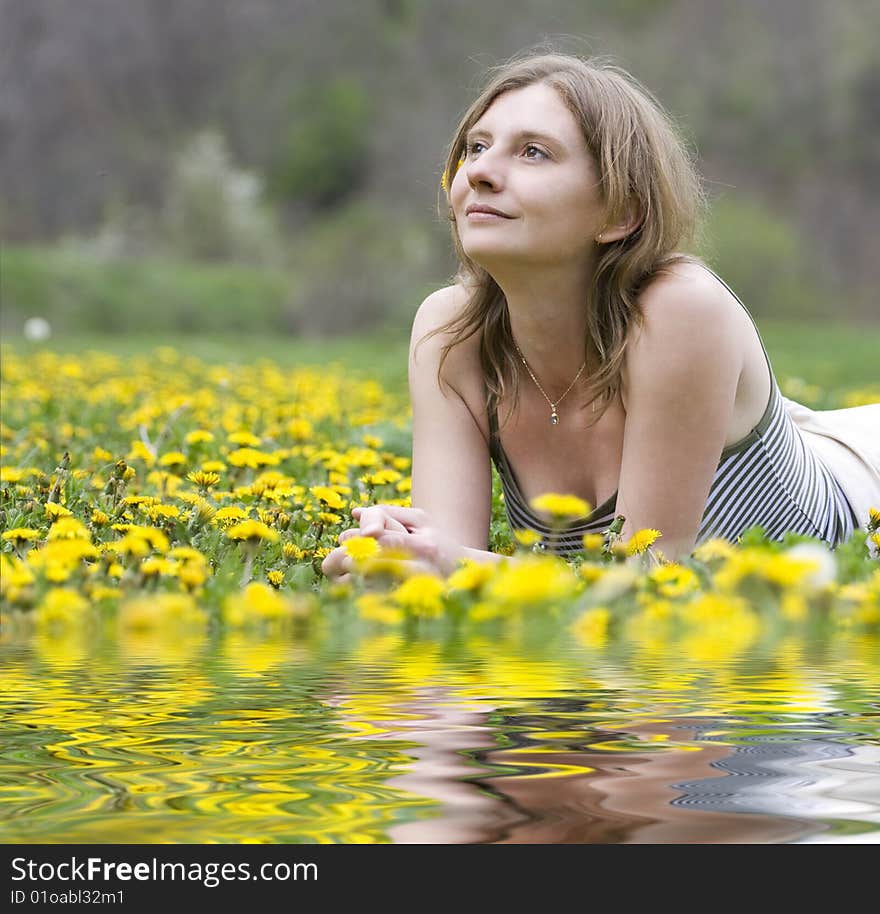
(836, 358)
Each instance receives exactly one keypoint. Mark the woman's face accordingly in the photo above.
(526, 156)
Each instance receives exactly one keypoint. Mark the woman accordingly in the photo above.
(629, 374)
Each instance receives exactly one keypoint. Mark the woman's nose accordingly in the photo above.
(484, 169)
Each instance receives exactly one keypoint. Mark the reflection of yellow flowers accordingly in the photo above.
(261, 603)
(160, 610)
(592, 627)
(641, 540)
(61, 606)
(560, 507)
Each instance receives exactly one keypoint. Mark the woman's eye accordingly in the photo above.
(472, 148)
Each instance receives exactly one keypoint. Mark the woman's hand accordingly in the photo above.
(395, 527)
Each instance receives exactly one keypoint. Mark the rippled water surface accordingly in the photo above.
(505, 738)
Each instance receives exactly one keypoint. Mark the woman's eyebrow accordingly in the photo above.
(523, 134)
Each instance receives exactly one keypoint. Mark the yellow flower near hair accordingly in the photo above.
(641, 540)
(560, 507)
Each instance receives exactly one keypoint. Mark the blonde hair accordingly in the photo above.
(641, 160)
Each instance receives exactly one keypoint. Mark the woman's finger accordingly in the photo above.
(409, 517)
(336, 562)
(374, 519)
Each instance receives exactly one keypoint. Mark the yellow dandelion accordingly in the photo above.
(375, 608)
(160, 512)
(99, 518)
(203, 480)
(421, 594)
(361, 547)
(54, 511)
(714, 549)
(275, 578)
(172, 459)
(248, 457)
(532, 579)
(20, 535)
(257, 601)
(244, 438)
(252, 531)
(470, 576)
(292, 552)
(674, 580)
(198, 436)
(560, 507)
(641, 540)
(526, 537)
(329, 496)
(593, 542)
(69, 528)
(229, 515)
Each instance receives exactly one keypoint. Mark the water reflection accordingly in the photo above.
(506, 739)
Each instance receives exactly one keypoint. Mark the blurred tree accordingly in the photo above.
(321, 159)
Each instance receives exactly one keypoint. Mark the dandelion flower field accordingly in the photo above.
(176, 668)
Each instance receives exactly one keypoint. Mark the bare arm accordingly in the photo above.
(681, 373)
(451, 468)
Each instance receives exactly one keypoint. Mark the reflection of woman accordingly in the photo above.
(628, 373)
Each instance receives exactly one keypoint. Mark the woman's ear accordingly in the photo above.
(630, 222)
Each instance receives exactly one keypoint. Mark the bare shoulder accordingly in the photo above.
(686, 289)
(685, 309)
(683, 300)
(430, 334)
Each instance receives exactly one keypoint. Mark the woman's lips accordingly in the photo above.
(486, 217)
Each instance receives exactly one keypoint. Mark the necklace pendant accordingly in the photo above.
(554, 419)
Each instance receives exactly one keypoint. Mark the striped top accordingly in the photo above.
(769, 478)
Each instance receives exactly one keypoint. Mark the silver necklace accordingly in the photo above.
(554, 415)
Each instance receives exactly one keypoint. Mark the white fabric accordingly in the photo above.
(847, 441)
